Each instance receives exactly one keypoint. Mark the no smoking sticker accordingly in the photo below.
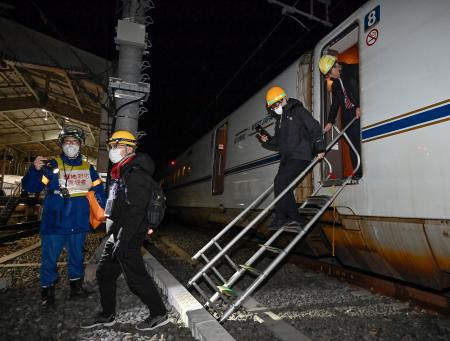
(372, 37)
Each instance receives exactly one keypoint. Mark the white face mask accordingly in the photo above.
(278, 110)
(71, 150)
(115, 156)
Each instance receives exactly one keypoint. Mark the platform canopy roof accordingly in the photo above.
(44, 85)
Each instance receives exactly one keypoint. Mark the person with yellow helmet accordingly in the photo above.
(298, 138)
(129, 197)
(345, 96)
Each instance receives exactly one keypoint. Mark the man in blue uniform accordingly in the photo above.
(65, 218)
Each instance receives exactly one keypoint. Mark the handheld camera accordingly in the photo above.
(49, 165)
(261, 131)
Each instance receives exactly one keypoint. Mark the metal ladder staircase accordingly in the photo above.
(8, 209)
(311, 210)
(9, 204)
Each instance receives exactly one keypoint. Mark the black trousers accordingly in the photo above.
(354, 134)
(286, 207)
(136, 276)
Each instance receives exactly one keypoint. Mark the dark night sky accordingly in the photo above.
(198, 46)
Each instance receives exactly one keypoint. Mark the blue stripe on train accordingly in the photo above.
(388, 127)
(250, 165)
(407, 122)
(254, 164)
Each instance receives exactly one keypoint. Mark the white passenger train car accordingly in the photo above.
(394, 221)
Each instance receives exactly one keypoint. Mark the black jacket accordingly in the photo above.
(350, 80)
(129, 210)
(297, 134)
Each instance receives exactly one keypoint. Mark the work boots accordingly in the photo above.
(77, 290)
(48, 296)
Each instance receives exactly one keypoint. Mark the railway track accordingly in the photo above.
(11, 233)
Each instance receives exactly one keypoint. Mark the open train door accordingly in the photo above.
(304, 95)
(345, 47)
(220, 151)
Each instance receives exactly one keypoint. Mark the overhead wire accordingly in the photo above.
(239, 70)
(298, 41)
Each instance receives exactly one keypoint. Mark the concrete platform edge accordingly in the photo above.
(203, 326)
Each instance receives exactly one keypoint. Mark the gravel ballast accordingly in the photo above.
(321, 307)
(23, 318)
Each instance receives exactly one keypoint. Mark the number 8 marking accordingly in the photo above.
(372, 18)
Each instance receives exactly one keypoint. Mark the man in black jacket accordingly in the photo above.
(345, 95)
(126, 207)
(298, 137)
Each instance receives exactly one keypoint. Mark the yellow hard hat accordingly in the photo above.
(326, 63)
(275, 94)
(123, 137)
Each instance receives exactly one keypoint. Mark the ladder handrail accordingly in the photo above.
(351, 146)
(280, 257)
(254, 257)
(240, 215)
(231, 223)
(315, 161)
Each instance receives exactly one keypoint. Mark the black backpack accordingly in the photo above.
(157, 203)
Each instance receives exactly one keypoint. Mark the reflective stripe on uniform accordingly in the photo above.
(84, 165)
(45, 180)
(79, 194)
(96, 182)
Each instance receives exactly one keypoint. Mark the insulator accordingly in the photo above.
(148, 5)
(140, 134)
(142, 111)
(144, 78)
(148, 20)
(145, 65)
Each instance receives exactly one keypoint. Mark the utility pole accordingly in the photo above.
(131, 87)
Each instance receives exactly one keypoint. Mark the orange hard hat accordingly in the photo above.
(275, 94)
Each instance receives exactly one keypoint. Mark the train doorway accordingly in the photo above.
(345, 48)
(219, 158)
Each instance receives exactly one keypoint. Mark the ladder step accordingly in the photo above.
(318, 200)
(250, 269)
(210, 304)
(271, 248)
(226, 291)
(332, 182)
(320, 196)
(292, 229)
(308, 210)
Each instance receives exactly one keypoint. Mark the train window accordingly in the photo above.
(219, 153)
(344, 89)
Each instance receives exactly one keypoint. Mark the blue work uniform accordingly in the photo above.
(65, 221)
